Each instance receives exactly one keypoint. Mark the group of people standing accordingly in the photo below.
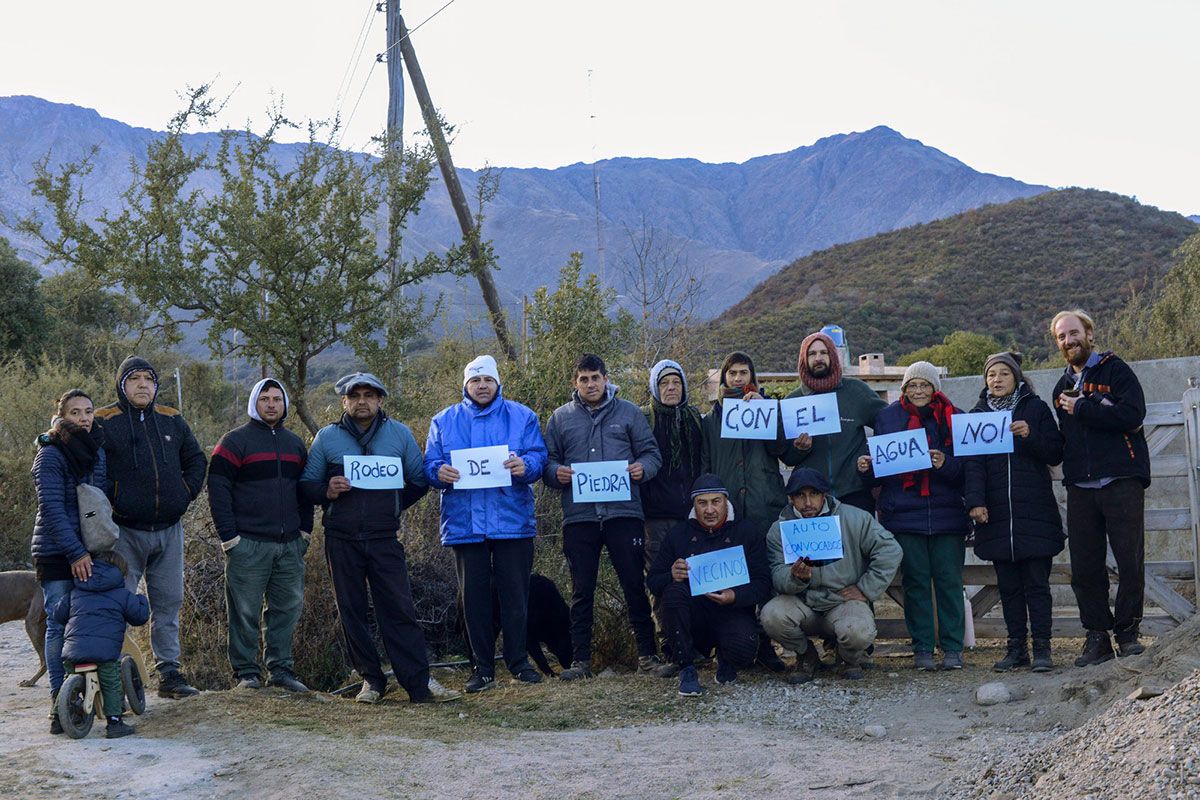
(691, 492)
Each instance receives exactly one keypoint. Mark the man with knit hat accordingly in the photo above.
(666, 498)
(835, 455)
(491, 529)
(723, 620)
(361, 526)
(155, 470)
(830, 599)
(264, 522)
(1106, 469)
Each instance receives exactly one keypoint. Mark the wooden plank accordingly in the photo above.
(1190, 407)
(1163, 414)
(1064, 627)
(1169, 467)
(1168, 519)
(1171, 570)
(1158, 439)
(1060, 574)
(984, 601)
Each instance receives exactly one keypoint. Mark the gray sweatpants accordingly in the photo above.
(787, 619)
(157, 555)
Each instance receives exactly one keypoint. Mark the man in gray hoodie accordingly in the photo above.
(597, 426)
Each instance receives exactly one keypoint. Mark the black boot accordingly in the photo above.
(1096, 650)
(1041, 656)
(1017, 656)
(55, 726)
(767, 658)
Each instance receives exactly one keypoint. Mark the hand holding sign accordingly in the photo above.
(894, 453)
(814, 414)
(374, 472)
(749, 419)
(720, 569)
(481, 467)
(982, 433)
(815, 538)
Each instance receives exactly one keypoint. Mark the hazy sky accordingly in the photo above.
(1098, 94)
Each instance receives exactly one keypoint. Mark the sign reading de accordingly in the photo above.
(983, 433)
(894, 453)
(814, 414)
(816, 538)
(601, 482)
(720, 569)
(749, 419)
(374, 472)
(481, 467)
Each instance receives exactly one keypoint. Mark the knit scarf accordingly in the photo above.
(1008, 402)
(830, 380)
(736, 393)
(363, 437)
(679, 426)
(78, 446)
(941, 410)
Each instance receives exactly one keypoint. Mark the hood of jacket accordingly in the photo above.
(477, 409)
(252, 402)
(133, 364)
(656, 373)
(105, 578)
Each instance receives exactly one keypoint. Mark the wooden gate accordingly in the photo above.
(1164, 423)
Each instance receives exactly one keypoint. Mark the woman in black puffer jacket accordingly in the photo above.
(1011, 501)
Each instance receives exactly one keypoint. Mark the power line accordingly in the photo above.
(360, 44)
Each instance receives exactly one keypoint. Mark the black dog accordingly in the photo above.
(549, 624)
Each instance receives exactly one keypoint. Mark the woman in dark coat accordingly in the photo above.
(1011, 500)
(68, 454)
(924, 510)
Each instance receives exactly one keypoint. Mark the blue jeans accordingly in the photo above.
(52, 592)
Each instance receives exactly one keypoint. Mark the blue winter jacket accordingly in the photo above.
(56, 529)
(905, 510)
(470, 516)
(95, 613)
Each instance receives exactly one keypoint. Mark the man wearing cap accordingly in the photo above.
(264, 522)
(155, 470)
(1106, 469)
(678, 430)
(491, 529)
(596, 425)
(829, 599)
(835, 455)
(361, 544)
(723, 620)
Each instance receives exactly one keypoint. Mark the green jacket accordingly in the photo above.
(749, 468)
(835, 455)
(871, 558)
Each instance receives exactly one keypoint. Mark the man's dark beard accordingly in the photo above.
(1085, 351)
(819, 371)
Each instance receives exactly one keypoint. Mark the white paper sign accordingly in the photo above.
(601, 482)
(816, 538)
(374, 472)
(903, 451)
(481, 467)
(749, 419)
(814, 414)
(982, 433)
(720, 569)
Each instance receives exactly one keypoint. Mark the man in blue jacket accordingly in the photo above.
(264, 522)
(361, 545)
(598, 426)
(490, 529)
(155, 470)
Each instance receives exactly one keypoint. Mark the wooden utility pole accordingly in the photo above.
(395, 137)
(433, 124)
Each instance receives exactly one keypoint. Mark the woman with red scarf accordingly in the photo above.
(925, 511)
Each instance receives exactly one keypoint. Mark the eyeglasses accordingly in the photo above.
(919, 386)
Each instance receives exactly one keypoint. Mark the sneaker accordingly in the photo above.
(689, 682)
(648, 664)
(1041, 656)
(480, 682)
(286, 680)
(577, 670)
(668, 670)
(952, 659)
(528, 675)
(173, 685)
(1097, 649)
(438, 694)
(1131, 648)
(116, 728)
(853, 672)
(1017, 656)
(368, 694)
(924, 661)
(726, 673)
(249, 682)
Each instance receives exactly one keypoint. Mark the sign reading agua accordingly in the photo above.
(894, 453)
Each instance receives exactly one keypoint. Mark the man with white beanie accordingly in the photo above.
(492, 529)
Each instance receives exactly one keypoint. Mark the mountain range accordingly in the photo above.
(734, 224)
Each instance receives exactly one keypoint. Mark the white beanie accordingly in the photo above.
(483, 365)
(926, 372)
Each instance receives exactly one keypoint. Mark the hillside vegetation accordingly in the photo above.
(1001, 270)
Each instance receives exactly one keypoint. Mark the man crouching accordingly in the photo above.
(725, 619)
(832, 599)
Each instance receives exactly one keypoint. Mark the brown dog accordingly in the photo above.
(21, 598)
